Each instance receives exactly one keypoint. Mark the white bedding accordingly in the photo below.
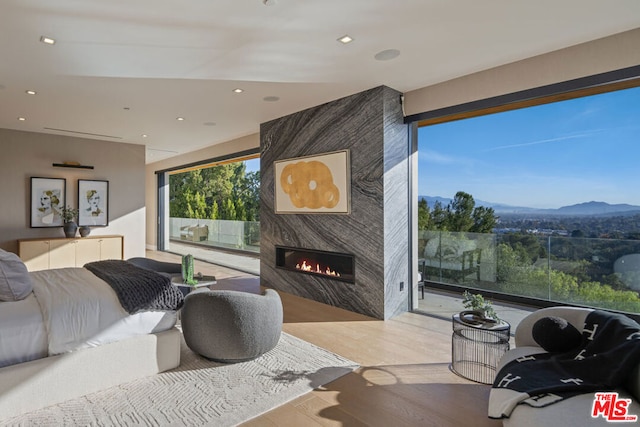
(22, 333)
(79, 310)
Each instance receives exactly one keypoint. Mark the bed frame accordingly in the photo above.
(43, 382)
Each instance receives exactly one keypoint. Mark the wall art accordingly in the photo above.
(93, 203)
(47, 200)
(313, 184)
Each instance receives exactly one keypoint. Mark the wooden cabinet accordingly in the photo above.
(42, 254)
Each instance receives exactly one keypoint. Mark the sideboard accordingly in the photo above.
(42, 254)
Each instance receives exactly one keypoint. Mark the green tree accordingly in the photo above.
(484, 220)
(424, 217)
(438, 217)
(214, 213)
(204, 193)
(527, 244)
(241, 211)
(229, 210)
(461, 215)
(577, 233)
(460, 212)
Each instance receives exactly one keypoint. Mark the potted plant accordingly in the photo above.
(69, 216)
(478, 310)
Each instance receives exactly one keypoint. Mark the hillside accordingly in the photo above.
(587, 208)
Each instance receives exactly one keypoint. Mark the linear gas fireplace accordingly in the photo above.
(331, 265)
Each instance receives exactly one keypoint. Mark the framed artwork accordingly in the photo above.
(313, 184)
(93, 203)
(48, 196)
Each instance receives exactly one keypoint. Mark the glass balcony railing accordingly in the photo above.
(599, 273)
(224, 234)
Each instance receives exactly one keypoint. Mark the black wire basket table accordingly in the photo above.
(477, 346)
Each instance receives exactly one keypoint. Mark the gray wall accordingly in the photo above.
(28, 154)
(370, 125)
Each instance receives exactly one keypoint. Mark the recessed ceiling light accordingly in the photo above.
(345, 39)
(180, 119)
(22, 119)
(387, 55)
(47, 40)
(144, 135)
(31, 92)
(271, 98)
(238, 90)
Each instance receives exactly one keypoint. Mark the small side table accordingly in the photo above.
(476, 349)
(202, 282)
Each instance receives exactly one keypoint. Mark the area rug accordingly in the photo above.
(201, 392)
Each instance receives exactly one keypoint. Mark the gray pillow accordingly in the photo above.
(15, 283)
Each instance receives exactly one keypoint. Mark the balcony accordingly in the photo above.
(599, 273)
(221, 234)
(232, 244)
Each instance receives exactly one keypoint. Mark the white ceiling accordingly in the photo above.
(124, 68)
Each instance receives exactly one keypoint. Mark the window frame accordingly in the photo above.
(611, 81)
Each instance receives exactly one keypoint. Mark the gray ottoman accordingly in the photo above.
(231, 326)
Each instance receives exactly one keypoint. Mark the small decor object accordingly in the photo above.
(70, 227)
(187, 270)
(479, 310)
(47, 201)
(93, 203)
(313, 184)
(84, 231)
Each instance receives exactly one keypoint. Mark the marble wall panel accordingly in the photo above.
(369, 125)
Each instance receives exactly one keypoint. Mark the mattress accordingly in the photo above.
(74, 309)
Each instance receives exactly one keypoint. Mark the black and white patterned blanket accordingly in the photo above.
(138, 289)
(610, 349)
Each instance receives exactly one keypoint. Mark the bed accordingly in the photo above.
(68, 332)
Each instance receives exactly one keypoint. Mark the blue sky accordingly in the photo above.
(547, 156)
(252, 165)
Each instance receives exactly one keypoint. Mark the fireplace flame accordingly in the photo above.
(308, 267)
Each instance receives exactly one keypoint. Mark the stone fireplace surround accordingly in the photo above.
(371, 126)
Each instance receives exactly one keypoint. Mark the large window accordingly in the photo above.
(215, 207)
(538, 202)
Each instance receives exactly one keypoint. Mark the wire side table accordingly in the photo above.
(476, 349)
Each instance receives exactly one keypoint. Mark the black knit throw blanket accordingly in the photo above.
(610, 349)
(138, 289)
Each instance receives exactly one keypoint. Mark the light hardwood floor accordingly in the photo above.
(404, 378)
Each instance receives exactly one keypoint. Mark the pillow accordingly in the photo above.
(556, 335)
(15, 282)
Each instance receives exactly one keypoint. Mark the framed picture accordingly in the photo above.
(48, 197)
(93, 203)
(313, 184)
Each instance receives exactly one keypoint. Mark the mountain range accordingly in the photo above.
(587, 208)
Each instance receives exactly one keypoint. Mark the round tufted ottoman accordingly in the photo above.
(231, 326)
